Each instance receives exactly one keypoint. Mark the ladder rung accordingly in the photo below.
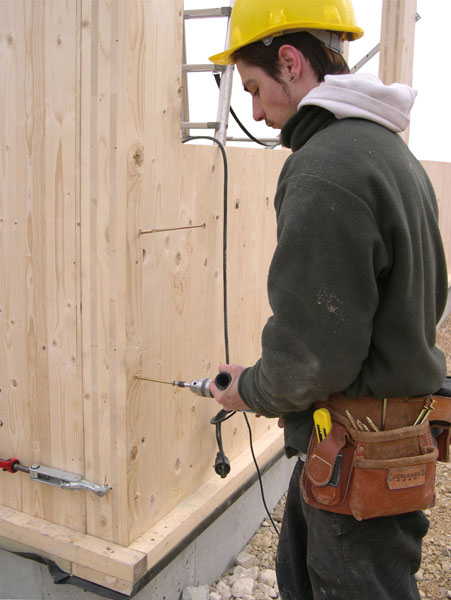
(200, 68)
(207, 13)
(208, 125)
(246, 139)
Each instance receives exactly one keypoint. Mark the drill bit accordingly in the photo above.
(176, 383)
(153, 380)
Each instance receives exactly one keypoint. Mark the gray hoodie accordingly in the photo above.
(364, 96)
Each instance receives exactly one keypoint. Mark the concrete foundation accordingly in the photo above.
(203, 561)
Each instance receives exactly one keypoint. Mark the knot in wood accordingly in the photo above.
(137, 157)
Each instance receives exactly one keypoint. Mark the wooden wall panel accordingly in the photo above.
(152, 303)
(40, 405)
(175, 302)
(440, 174)
(183, 322)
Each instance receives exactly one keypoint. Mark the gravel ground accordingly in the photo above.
(253, 576)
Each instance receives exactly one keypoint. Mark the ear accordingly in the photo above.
(290, 62)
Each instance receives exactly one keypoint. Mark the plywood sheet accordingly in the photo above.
(40, 408)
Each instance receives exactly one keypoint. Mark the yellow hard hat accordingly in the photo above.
(254, 20)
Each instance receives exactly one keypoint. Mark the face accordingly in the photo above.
(271, 100)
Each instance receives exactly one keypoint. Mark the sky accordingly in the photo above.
(430, 129)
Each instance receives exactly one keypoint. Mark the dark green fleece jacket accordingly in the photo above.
(358, 280)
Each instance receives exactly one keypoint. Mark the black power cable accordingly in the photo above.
(222, 464)
(224, 232)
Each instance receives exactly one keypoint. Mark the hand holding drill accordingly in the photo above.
(229, 397)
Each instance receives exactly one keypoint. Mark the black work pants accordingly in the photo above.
(327, 556)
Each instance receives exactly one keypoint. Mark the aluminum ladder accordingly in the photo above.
(225, 89)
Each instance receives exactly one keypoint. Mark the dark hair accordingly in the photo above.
(323, 61)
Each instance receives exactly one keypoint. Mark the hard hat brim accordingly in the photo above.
(225, 58)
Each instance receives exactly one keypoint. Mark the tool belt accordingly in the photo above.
(375, 461)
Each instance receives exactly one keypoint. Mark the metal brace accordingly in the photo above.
(65, 480)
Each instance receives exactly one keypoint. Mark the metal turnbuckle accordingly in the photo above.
(65, 480)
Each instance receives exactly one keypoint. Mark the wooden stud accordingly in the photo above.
(397, 43)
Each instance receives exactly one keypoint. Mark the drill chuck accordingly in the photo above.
(201, 387)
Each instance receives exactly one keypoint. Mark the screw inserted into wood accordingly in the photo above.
(141, 378)
(144, 231)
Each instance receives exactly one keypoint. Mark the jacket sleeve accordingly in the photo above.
(323, 292)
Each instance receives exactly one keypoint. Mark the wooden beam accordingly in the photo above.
(87, 552)
(397, 43)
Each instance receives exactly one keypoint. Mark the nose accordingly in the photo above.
(257, 110)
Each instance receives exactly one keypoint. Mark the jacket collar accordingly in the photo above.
(303, 125)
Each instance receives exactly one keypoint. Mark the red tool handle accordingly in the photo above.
(9, 465)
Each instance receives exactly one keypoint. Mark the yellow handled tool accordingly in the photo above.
(323, 423)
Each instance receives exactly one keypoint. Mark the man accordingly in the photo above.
(357, 283)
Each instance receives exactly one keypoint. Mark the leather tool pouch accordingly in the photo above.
(442, 434)
(370, 474)
(440, 420)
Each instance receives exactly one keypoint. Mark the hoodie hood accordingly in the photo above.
(364, 96)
